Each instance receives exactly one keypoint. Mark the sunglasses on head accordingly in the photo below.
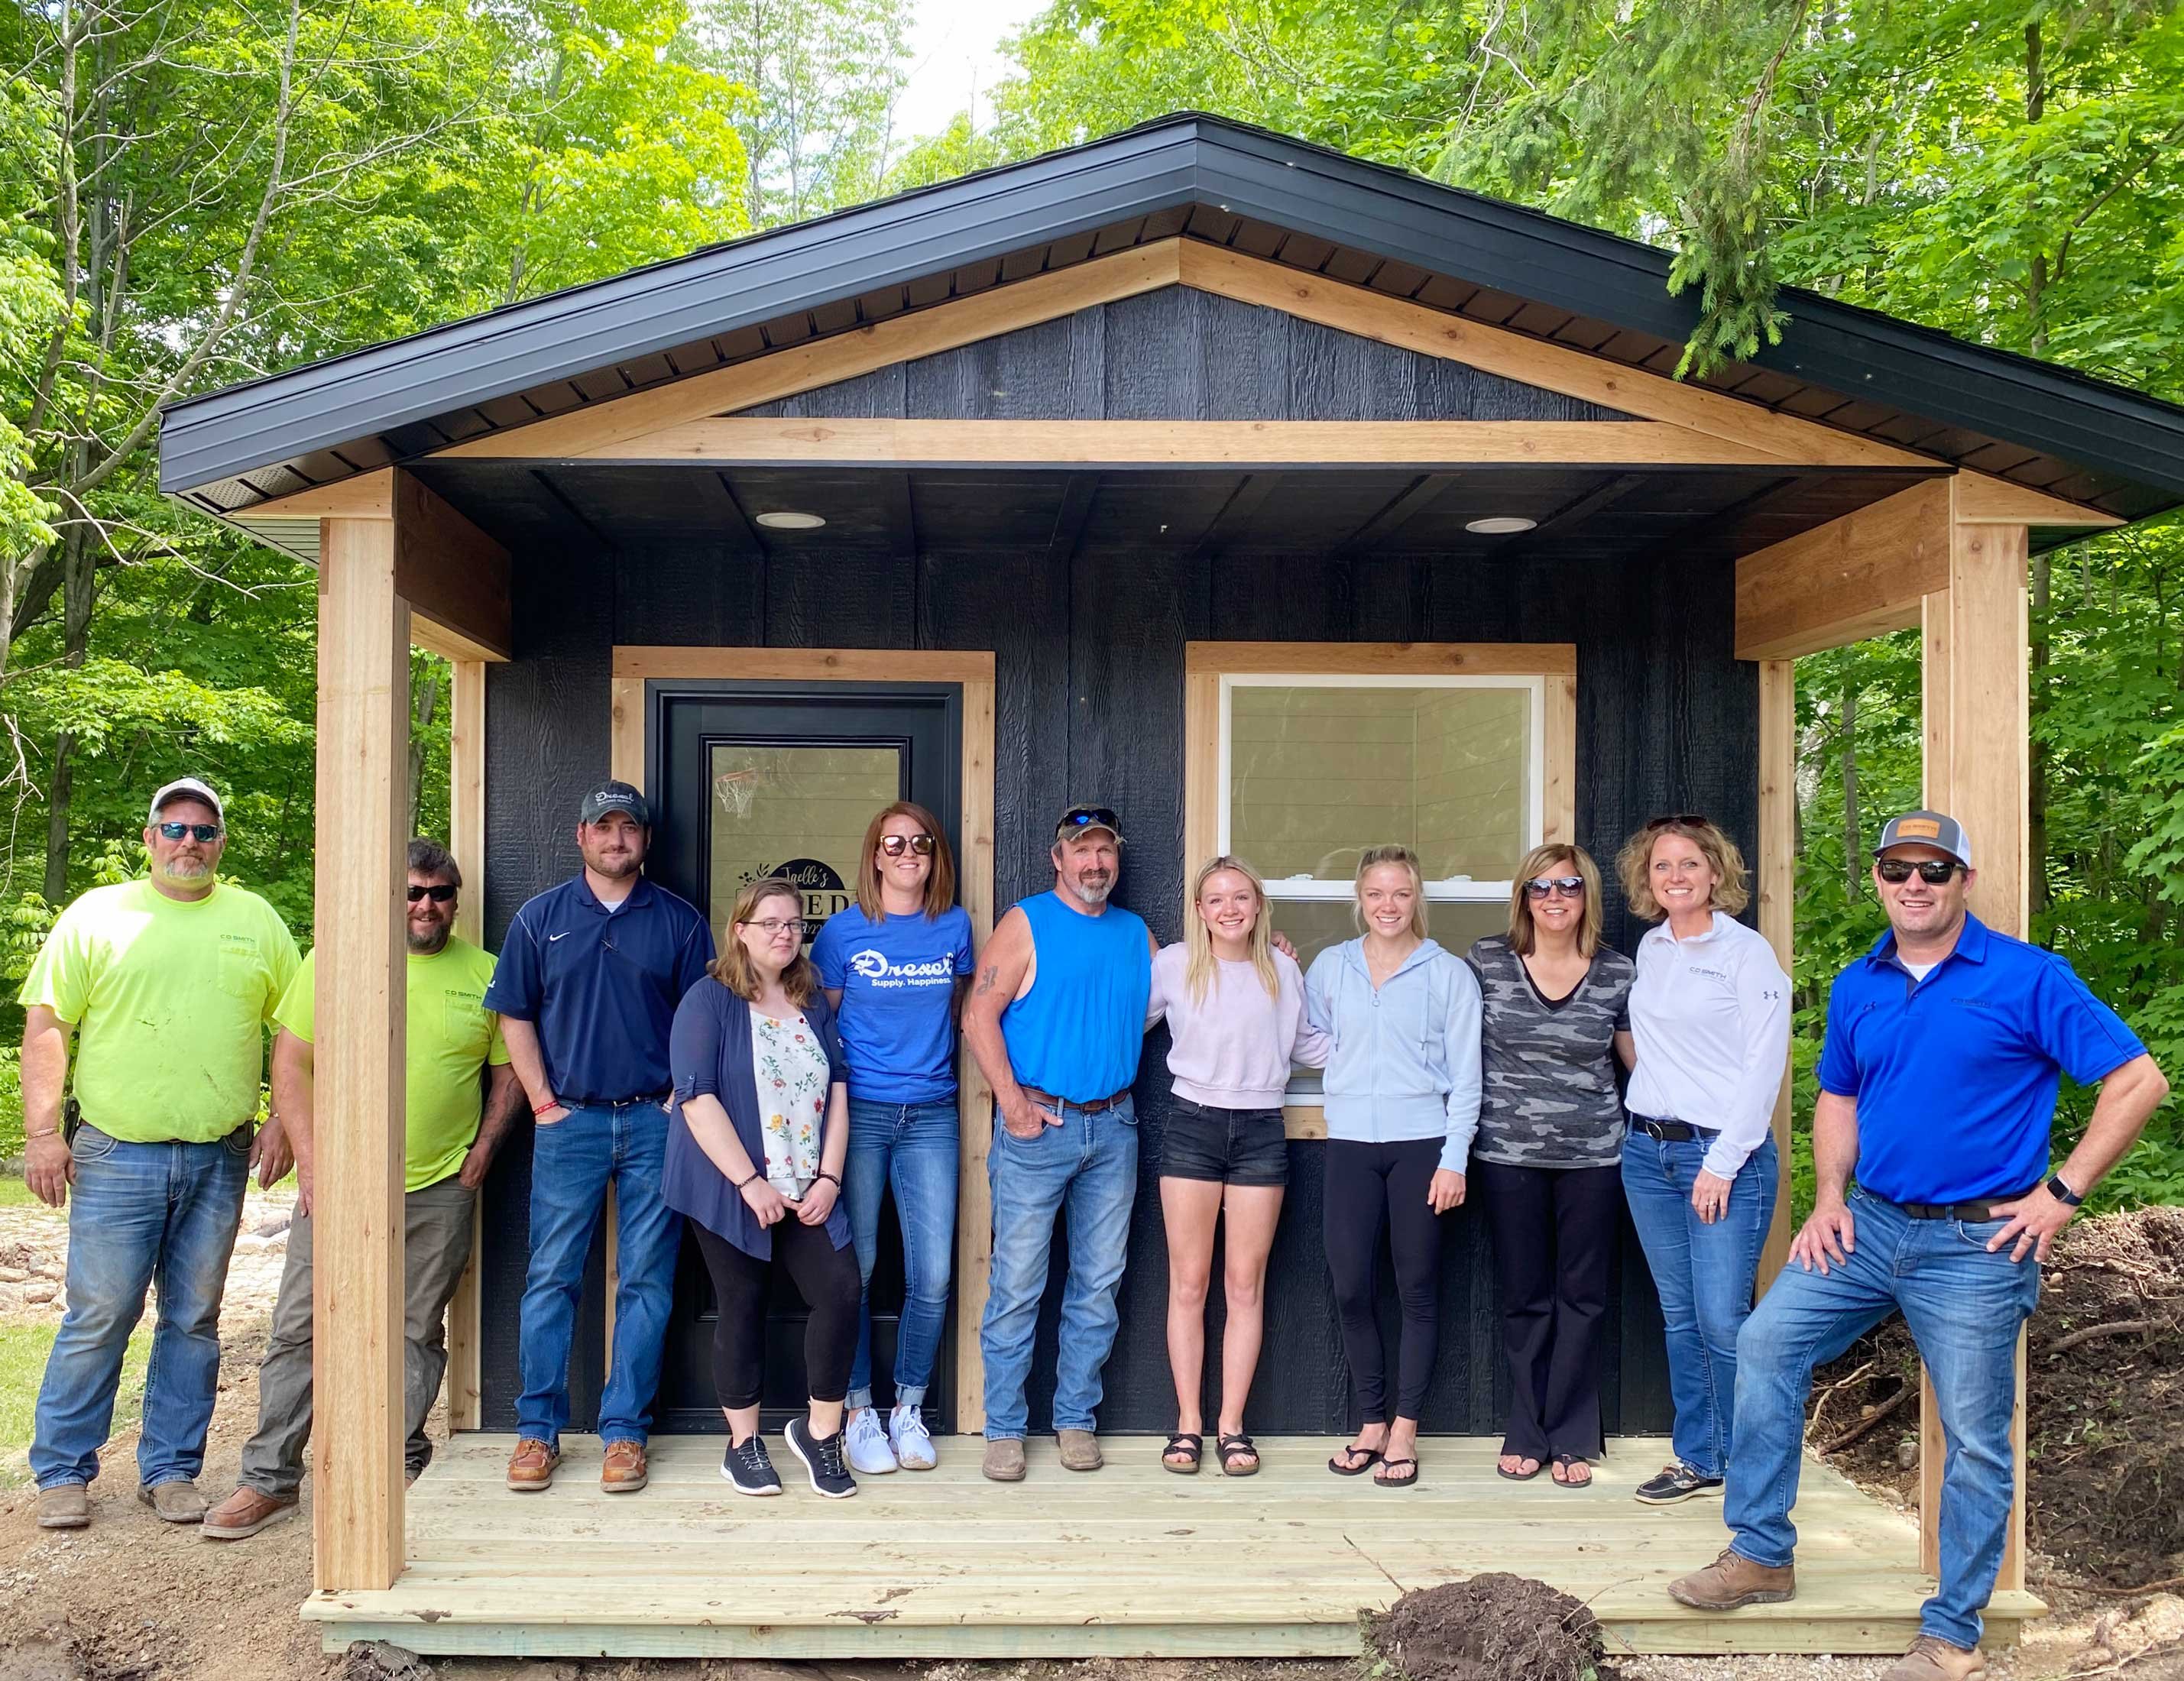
(439, 892)
(895, 845)
(1569, 886)
(1679, 820)
(1932, 871)
(204, 834)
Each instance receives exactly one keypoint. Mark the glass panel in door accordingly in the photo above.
(795, 811)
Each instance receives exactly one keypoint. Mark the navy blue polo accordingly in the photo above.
(601, 986)
(1955, 1075)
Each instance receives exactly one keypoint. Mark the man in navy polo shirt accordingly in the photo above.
(1937, 1082)
(589, 981)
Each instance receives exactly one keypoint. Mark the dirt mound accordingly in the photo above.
(1492, 1627)
(2104, 1418)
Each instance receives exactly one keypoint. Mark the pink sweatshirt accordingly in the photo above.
(1236, 1050)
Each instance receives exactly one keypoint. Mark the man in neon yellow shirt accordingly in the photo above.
(450, 1138)
(166, 985)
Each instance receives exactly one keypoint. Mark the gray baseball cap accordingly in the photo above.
(1927, 828)
(185, 787)
(614, 797)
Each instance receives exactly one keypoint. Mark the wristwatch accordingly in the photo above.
(2061, 1192)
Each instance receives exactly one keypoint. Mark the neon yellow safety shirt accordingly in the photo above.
(169, 999)
(450, 1036)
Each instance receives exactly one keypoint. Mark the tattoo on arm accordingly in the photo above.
(988, 978)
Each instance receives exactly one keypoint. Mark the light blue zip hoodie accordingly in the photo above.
(1405, 1063)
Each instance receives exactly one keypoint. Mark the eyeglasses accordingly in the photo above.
(203, 833)
(1569, 886)
(1932, 871)
(893, 845)
(439, 892)
(772, 926)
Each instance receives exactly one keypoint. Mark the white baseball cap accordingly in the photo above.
(185, 787)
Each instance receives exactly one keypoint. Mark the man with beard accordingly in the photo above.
(1937, 1085)
(449, 1136)
(167, 985)
(1057, 1021)
(589, 978)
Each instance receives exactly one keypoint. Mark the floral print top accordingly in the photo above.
(789, 1067)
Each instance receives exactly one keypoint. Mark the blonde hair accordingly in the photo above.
(1371, 859)
(1199, 970)
(733, 968)
(939, 880)
(1634, 865)
(1523, 936)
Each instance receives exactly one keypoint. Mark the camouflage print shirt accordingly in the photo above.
(1549, 1097)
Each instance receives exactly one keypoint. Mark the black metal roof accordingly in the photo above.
(1199, 177)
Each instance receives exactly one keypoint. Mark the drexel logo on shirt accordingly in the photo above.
(874, 966)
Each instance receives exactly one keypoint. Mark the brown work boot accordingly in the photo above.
(531, 1466)
(624, 1472)
(1005, 1461)
(1080, 1450)
(176, 1502)
(243, 1513)
(1931, 1658)
(65, 1505)
(1734, 1580)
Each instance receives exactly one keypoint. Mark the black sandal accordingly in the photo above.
(1233, 1447)
(1538, 1466)
(1564, 1462)
(1409, 1482)
(1372, 1459)
(1184, 1442)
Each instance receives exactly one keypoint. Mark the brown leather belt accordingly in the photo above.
(1972, 1213)
(1049, 1100)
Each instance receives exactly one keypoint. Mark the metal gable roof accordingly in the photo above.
(1204, 178)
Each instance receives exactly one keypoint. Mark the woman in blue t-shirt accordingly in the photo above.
(896, 965)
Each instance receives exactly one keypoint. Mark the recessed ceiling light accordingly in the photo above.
(788, 520)
(1500, 524)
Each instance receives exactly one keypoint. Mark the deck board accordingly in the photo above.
(1131, 1561)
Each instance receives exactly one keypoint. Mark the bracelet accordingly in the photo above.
(541, 1108)
(828, 1177)
(738, 1184)
(50, 1132)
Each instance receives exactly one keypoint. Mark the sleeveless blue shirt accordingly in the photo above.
(1079, 1031)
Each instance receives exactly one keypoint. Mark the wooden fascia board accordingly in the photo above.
(1985, 500)
(454, 577)
(368, 496)
(1856, 577)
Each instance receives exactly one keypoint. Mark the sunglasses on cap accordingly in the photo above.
(1932, 871)
(439, 892)
(895, 845)
(1569, 886)
(1088, 817)
(203, 833)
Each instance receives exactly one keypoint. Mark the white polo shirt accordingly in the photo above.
(1711, 1017)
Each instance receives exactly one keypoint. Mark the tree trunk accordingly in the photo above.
(421, 725)
(79, 586)
(1853, 875)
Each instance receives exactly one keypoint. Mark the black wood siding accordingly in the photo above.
(1090, 647)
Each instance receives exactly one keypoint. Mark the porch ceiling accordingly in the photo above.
(1583, 513)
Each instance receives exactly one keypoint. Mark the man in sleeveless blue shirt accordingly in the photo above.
(1057, 1021)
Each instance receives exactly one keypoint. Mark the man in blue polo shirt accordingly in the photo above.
(1945, 1044)
(589, 981)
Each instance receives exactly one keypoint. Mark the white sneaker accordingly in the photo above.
(912, 1443)
(869, 1453)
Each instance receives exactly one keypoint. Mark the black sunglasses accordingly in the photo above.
(1680, 819)
(894, 845)
(1569, 886)
(203, 833)
(1091, 817)
(439, 892)
(1932, 871)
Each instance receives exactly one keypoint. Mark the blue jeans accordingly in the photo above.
(1964, 1307)
(161, 1214)
(571, 1163)
(1088, 1168)
(913, 1148)
(1703, 1275)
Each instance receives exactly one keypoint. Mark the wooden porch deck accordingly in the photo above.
(1130, 1561)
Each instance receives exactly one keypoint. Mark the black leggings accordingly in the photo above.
(1369, 1186)
(824, 1276)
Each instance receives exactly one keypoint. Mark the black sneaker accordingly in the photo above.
(1675, 1483)
(821, 1455)
(750, 1469)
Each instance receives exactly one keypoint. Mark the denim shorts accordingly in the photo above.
(1228, 1146)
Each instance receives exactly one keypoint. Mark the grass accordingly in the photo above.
(23, 1351)
(13, 1193)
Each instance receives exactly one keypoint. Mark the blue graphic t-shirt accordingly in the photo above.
(897, 978)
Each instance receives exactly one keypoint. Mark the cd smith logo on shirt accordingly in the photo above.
(874, 967)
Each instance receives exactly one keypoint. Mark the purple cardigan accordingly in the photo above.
(710, 1053)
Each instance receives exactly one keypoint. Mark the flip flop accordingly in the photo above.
(1409, 1482)
(1372, 1458)
(1538, 1466)
(1564, 1462)
(1182, 1442)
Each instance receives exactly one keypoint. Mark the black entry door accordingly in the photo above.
(764, 779)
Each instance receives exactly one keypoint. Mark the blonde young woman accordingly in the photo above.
(1547, 1159)
(1234, 1007)
(1402, 1015)
(1710, 1017)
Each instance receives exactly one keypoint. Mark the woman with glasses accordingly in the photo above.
(1235, 1006)
(1547, 1159)
(760, 1130)
(1402, 1016)
(896, 965)
(1710, 1019)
